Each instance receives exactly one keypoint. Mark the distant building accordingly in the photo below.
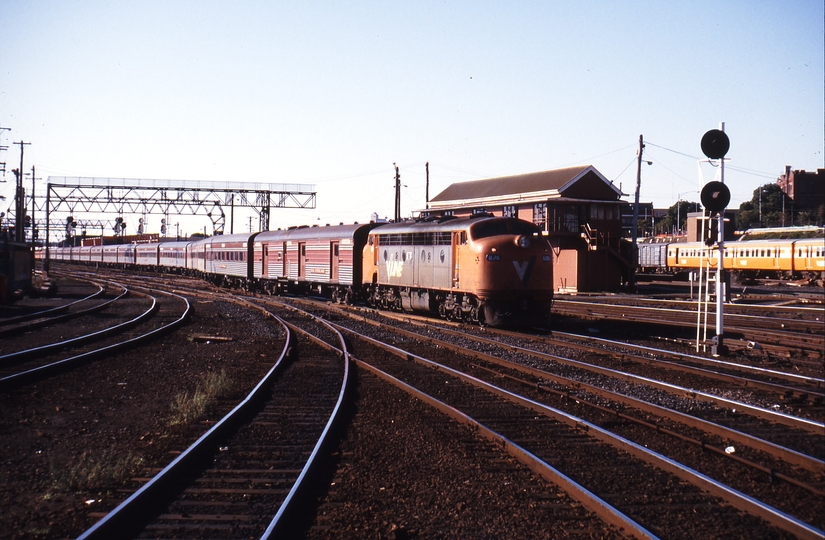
(646, 213)
(577, 208)
(805, 189)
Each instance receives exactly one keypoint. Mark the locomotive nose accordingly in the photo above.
(523, 241)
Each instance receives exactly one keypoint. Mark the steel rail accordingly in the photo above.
(759, 412)
(124, 516)
(13, 381)
(786, 454)
(809, 463)
(780, 418)
(65, 316)
(734, 379)
(50, 348)
(289, 508)
(735, 498)
(52, 311)
(812, 310)
(803, 379)
(585, 497)
(804, 341)
(790, 377)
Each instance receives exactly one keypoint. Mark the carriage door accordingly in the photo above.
(459, 238)
(302, 254)
(333, 261)
(265, 260)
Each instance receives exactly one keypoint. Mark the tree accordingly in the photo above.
(769, 207)
(679, 211)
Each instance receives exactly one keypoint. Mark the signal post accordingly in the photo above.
(715, 197)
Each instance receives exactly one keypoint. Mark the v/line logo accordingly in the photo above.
(524, 269)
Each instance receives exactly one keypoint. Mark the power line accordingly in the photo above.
(671, 150)
(738, 169)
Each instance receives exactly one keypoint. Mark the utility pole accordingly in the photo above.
(34, 227)
(3, 163)
(397, 194)
(635, 225)
(427, 190)
(20, 201)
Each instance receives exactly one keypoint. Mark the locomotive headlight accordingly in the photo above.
(523, 241)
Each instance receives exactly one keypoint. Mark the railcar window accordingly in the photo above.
(416, 239)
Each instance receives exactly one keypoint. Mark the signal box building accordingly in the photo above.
(577, 208)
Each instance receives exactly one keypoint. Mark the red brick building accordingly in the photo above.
(805, 189)
(577, 208)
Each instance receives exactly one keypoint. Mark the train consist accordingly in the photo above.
(790, 259)
(483, 269)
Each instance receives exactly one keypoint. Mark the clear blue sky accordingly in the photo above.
(332, 93)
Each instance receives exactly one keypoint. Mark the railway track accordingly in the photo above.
(244, 477)
(548, 434)
(54, 310)
(757, 469)
(138, 317)
(784, 336)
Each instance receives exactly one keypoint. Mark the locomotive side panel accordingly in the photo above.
(412, 259)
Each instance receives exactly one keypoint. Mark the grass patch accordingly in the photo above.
(188, 408)
(93, 473)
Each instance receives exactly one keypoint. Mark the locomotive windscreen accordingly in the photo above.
(497, 227)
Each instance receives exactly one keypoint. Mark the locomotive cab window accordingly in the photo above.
(501, 227)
